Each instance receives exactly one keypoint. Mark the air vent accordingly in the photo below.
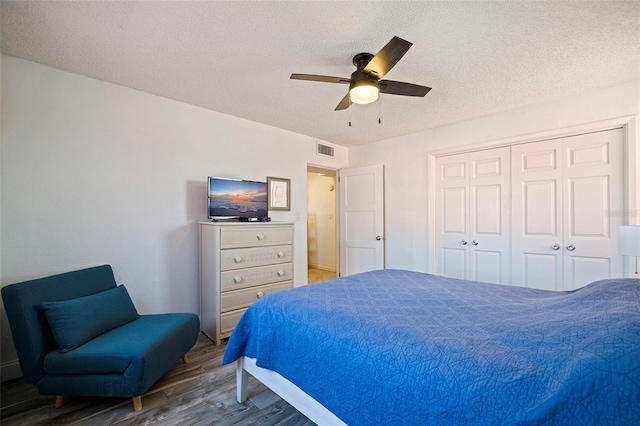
(325, 150)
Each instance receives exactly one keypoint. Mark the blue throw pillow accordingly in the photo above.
(76, 321)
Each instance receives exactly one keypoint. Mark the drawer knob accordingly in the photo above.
(280, 273)
(280, 254)
(237, 279)
(260, 237)
(259, 294)
(237, 259)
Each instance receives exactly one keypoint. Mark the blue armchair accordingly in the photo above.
(79, 334)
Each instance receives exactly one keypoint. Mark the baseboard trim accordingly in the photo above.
(323, 268)
(10, 370)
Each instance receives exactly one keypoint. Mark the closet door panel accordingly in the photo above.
(582, 270)
(454, 203)
(488, 266)
(487, 215)
(533, 264)
(490, 211)
(536, 178)
(593, 185)
(452, 216)
(540, 208)
(454, 263)
(590, 193)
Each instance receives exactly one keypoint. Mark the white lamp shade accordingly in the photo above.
(363, 94)
(630, 240)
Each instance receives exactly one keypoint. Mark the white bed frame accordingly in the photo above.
(308, 406)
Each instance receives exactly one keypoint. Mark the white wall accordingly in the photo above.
(321, 204)
(405, 159)
(96, 173)
(8, 354)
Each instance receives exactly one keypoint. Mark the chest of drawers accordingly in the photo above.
(240, 263)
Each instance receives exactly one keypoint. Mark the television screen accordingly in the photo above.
(234, 198)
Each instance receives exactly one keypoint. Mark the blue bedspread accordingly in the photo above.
(398, 347)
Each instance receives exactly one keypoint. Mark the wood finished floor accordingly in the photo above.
(315, 275)
(198, 393)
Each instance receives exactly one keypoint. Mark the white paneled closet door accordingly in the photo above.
(473, 212)
(565, 193)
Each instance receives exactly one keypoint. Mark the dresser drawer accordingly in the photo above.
(228, 320)
(237, 299)
(251, 277)
(256, 256)
(255, 236)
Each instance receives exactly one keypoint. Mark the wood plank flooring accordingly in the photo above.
(315, 275)
(198, 393)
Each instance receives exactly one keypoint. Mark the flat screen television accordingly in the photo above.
(237, 199)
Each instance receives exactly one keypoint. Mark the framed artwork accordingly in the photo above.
(279, 193)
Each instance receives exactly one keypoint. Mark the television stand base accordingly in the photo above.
(255, 219)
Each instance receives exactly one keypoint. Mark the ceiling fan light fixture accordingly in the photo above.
(364, 91)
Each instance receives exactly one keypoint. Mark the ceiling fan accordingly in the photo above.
(365, 82)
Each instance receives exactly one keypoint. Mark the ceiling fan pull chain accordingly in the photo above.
(349, 115)
(379, 119)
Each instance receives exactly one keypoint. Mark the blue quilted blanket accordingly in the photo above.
(398, 347)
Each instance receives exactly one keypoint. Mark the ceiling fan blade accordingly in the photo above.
(405, 89)
(386, 58)
(344, 103)
(320, 78)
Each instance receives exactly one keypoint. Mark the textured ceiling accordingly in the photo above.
(236, 57)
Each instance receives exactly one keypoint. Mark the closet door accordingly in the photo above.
(472, 209)
(566, 193)
(537, 215)
(592, 207)
(490, 213)
(452, 216)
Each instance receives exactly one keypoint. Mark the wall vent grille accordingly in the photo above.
(325, 150)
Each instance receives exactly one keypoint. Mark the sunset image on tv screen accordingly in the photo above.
(237, 198)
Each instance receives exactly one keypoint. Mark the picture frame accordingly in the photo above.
(279, 193)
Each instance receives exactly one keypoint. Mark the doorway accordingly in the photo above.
(322, 241)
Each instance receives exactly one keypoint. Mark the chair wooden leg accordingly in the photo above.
(137, 402)
(185, 360)
(59, 400)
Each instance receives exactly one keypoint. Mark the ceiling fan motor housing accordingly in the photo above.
(362, 59)
(358, 78)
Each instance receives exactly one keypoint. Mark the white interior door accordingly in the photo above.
(593, 186)
(472, 210)
(564, 192)
(452, 216)
(490, 213)
(536, 170)
(361, 219)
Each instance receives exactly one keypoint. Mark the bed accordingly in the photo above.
(400, 347)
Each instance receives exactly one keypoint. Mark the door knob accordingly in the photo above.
(464, 242)
(378, 238)
(475, 242)
(571, 247)
(555, 246)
